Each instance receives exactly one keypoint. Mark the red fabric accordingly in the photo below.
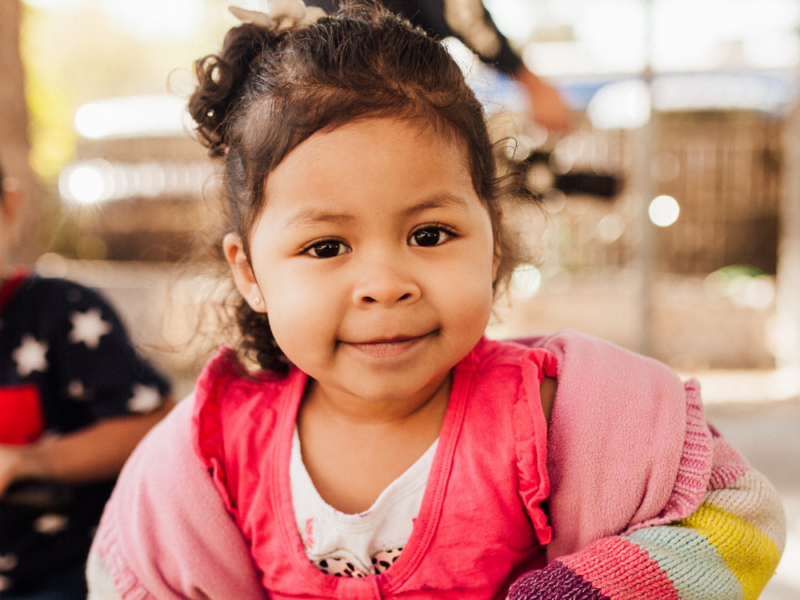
(11, 286)
(492, 480)
(182, 536)
(21, 418)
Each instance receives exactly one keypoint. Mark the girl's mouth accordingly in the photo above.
(387, 348)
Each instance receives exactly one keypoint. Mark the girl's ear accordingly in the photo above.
(243, 276)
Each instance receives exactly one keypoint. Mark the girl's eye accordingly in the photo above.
(327, 249)
(429, 236)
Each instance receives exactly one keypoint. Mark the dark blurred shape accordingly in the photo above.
(579, 182)
(538, 157)
(589, 183)
(471, 23)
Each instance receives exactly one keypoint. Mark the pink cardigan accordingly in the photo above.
(628, 448)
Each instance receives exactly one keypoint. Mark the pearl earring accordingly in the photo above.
(257, 300)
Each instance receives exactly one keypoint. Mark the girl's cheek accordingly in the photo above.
(299, 328)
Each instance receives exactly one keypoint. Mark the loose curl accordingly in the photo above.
(265, 93)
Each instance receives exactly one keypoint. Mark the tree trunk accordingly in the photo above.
(14, 143)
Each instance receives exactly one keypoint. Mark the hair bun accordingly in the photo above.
(220, 79)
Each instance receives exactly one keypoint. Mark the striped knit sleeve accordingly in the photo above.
(727, 549)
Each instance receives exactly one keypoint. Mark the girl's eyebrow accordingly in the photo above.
(311, 216)
(306, 217)
(443, 200)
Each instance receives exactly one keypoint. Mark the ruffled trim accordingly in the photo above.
(223, 380)
(530, 431)
(694, 468)
(107, 546)
(215, 379)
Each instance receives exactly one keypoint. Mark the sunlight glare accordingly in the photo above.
(86, 184)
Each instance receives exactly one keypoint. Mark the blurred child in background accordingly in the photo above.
(75, 398)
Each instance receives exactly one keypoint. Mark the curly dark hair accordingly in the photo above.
(265, 93)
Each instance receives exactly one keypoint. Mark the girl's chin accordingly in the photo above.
(382, 390)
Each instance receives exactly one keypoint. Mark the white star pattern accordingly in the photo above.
(145, 399)
(30, 356)
(51, 524)
(7, 562)
(88, 328)
(75, 390)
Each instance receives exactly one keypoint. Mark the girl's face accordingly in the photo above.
(373, 258)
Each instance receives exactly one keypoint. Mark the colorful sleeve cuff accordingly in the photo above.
(726, 550)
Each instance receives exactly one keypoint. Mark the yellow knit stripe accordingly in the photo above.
(751, 556)
(753, 499)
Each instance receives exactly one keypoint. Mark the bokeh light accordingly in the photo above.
(664, 211)
(84, 184)
(158, 115)
(526, 281)
(621, 105)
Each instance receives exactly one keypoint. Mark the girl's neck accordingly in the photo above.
(347, 408)
(354, 450)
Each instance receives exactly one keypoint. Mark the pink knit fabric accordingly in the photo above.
(611, 406)
(165, 533)
(627, 449)
(636, 574)
(729, 465)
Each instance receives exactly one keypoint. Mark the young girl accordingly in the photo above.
(386, 449)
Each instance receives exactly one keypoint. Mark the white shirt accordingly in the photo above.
(362, 544)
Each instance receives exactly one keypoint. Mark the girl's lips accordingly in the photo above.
(388, 348)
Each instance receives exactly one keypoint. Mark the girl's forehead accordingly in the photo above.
(371, 130)
(391, 145)
(394, 145)
(370, 165)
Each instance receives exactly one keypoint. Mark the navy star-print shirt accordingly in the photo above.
(66, 362)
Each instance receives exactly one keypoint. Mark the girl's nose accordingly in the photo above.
(385, 284)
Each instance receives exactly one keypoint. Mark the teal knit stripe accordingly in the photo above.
(693, 565)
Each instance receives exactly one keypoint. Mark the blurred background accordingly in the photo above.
(671, 214)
